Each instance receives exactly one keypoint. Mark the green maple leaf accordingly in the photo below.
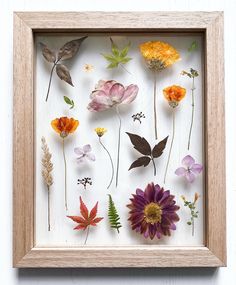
(117, 57)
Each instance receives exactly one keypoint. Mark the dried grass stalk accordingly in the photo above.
(47, 167)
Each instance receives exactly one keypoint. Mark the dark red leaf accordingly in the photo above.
(93, 212)
(140, 144)
(83, 209)
(158, 148)
(142, 161)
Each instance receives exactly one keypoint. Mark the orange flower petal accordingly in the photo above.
(64, 124)
(174, 93)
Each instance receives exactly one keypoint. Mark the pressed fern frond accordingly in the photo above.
(113, 215)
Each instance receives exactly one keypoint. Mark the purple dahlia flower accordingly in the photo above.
(153, 212)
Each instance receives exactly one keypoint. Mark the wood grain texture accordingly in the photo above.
(23, 151)
(25, 254)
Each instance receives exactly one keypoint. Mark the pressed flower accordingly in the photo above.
(86, 220)
(88, 67)
(153, 212)
(64, 126)
(47, 173)
(100, 132)
(85, 181)
(190, 169)
(158, 56)
(84, 153)
(108, 94)
(192, 208)
(192, 74)
(173, 94)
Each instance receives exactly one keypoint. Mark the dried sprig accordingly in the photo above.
(142, 146)
(85, 181)
(192, 208)
(67, 51)
(47, 168)
(118, 57)
(138, 117)
(191, 74)
(114, 218)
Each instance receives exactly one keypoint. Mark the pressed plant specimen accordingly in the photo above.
(64, 126)
(158, 56)
(47, 167)
(111, 94)
(173, 94)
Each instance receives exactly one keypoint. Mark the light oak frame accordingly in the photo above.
(25, 253)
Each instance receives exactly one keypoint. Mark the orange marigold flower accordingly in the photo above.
(174, 94)
(159, 55)
(64, 126)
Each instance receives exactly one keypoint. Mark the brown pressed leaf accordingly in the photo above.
(142, 161)
(70, 49)
(63, 73)
(140, 144)
(158, 148)
(48, 54)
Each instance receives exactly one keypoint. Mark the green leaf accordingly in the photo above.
(69, 102)
(125, 60)
(109, 57)
(125, 51)
(113, 215)
(112, 65)
(114, 48)
(193, 47)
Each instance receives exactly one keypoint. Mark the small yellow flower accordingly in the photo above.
(88, 67)
(100, 131)
(159, 55)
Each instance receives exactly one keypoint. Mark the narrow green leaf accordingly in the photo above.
(113, 215)
(69, 102)
(125, 60)
(114, 48)
(112, 65)
(125, 51)
(193, 46)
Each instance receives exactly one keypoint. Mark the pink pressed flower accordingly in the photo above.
(110, 93)
(190, 169)
(84, 152)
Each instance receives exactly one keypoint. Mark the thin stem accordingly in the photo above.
(50, 80)
(125, 69)
(112, 165)
(191, 125)
(154, 166)
(64, 156)
(49, 224)
(154, 103)
(171, 145)
(193, 227)
(87, 234)
(118, 147)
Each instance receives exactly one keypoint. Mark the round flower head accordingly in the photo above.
(100, 131)
(64, 126)
(159, 55)
(174, 94)
(153, 212)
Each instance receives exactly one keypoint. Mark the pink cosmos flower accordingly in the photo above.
(190, 169)
(110, 93)
(84, 153)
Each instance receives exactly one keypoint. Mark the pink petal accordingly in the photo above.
(130, 94)
(100, 103)
(181, 171)
(117, 92)
(188, 161)
(107, 86)
(87, 148)
(196, 168)
(79, 150)
(190, 177)
(91, 156)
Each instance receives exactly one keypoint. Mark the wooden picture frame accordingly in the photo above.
(25, 254)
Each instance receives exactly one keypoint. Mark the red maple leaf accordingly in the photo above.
(87, 219)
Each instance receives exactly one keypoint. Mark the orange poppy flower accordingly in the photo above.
(174, 94)
(64, 126)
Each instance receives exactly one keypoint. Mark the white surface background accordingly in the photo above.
(62, 233)
(112, 276)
